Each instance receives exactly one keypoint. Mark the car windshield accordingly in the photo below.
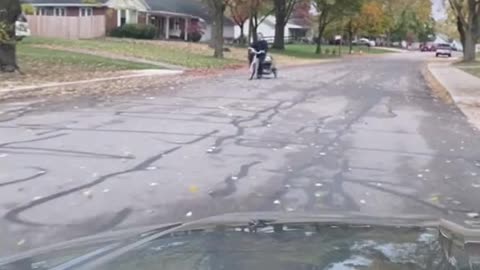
(121, 116)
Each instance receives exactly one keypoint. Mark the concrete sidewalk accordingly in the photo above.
(463, 88)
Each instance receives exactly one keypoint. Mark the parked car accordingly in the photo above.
(427, 47)
(364, 42)
(444, 50)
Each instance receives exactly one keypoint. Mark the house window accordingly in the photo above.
(84, 12)
(123, 17)
(60, 12)
(41, 12)
(175, 24)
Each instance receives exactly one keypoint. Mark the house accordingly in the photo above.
(171, 17)
(294, 29)
(74, 19)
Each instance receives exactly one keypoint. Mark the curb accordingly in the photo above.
(471, 110)
(140, 74)
(435, 86)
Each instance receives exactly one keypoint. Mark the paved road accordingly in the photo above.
(362, 135)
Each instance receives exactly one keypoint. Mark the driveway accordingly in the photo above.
(363, 134)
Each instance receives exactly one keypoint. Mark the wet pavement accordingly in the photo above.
(362, 134)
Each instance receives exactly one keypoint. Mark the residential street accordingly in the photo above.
(362, 134)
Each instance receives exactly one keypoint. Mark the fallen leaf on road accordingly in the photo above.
(276, 202)
(318, 195)
(434, 198)
(476, 185)
(151, 168)
(448, 161)
(153, 184)
(473, 215)
(234, 178)
(420, 175)
(290, 209)
(21, 242)
(193, 189)
(287, 186)
(36, 198)
(363, 201)
(189, 214)
(106, 190)
(322, 154)
(87, 194)
(319, 185)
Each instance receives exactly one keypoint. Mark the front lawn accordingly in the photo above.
(29, 57)
(43, 65)
(184, 54)
(328, 51)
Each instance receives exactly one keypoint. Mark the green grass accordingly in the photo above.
(28, 54)
(171, 54)
(472, 68)
(308, 51)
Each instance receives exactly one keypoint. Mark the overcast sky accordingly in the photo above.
(438, 9)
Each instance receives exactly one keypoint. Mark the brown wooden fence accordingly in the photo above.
(67, 27)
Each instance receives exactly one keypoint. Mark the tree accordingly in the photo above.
(283, 11)
(330, 10)
(352, 27)
(259, 11)
(399, 15)
(372, 19)
(467, 14)
(240, 12)
(9, 12)
(217, 8)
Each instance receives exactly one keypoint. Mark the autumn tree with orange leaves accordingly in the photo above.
(240, 12)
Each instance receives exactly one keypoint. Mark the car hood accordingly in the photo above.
(341, 240)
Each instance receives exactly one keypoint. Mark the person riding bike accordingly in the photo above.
(260, 45)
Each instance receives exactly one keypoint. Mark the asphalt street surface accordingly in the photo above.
(363, 134)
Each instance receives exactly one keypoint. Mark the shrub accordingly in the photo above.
(139, 31)
(195, 31)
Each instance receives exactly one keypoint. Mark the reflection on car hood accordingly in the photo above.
(272, 241)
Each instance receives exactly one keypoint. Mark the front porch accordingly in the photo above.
(172, 26)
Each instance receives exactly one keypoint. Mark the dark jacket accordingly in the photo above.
(260, 45)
